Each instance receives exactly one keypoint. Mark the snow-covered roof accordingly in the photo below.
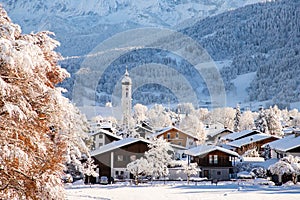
(237, 135)
(250, 139)
(117, 144)
(142, 127)
(162, 131)
(175, 146)
(106, 133)
(285, 144)
(216, 132)
(205, 149)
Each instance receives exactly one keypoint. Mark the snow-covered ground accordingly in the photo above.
(174, 191)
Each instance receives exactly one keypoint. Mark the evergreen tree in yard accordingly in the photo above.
(261, 122)
(159, 156)
(274, 124)
(237, 119)
(38, 126)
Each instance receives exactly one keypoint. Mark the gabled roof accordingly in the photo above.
(205, 149)
(238, 135)
(170, 128)
(285, 144)
(216, 132)
(117, 144)
(106, 133)
(250, 139)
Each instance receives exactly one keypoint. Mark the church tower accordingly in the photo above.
(126, 99)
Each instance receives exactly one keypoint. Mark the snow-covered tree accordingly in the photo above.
(190, 169)
(159, 156)
(36, 121)
(237, 119)
(273, 121)
(138, 168)
(224, 116)
(261, 122)
(185, 108)
(259, 172)
(158, 117)
(247, 121)
(192, 125)
(286, 165)
(139, 112)
(89, 169)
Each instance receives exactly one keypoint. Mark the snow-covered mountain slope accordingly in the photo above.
(78, 23)
(261, 38)
(246, 40)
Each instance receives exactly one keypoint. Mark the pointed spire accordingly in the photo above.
(126, 71)
(126, 80)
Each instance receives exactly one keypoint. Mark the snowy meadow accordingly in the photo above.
(180, 190)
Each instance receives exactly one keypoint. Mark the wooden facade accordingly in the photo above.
(178, 137)
(216, 165)
(113, 163)
(258, 145)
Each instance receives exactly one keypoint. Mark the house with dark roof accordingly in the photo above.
(216, 163)
(112, 159)
(255, 141)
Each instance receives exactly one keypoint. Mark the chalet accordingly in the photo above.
(176, 137)
(289, 145)
(215, 162)
(251, 142)
(213, 137)
(102, 137)
(144, 130)
(238, 135)
(112, 159)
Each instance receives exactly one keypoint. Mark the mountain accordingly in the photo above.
(252, 44)
(262, 40)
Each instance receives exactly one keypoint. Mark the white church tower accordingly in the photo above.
(126, 99)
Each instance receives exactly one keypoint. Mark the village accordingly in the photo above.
(224, 144)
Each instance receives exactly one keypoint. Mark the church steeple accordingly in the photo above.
(126, 99)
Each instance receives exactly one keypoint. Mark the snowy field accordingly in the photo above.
(174, 191)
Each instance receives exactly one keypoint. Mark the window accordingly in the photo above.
(120, 158)
(218, 173)
(215, 159)
(100, 136)
(132, 157)
(179, 143)
(100, 144)
(177, 135)
(168, 135)
(183, 155)
(210, 159)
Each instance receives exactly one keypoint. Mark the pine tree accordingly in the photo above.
(38, 126)
(274, 124)
(261, 122)
(237, 119)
